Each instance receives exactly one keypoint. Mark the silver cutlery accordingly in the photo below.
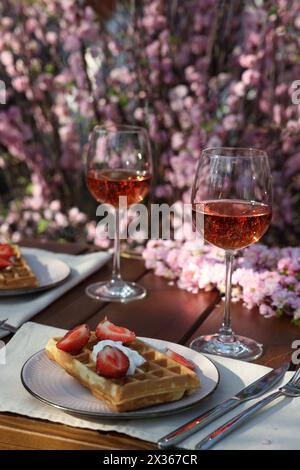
(252, 391)
(6, 327)
(291, 389)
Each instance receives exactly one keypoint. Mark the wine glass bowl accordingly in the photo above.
(233, 224)
(118, 171)
(232, 209)
(107, 186)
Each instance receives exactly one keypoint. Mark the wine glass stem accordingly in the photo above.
(116, 273)
(225, 333)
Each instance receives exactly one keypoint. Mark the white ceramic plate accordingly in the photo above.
(48, 382)
(49, 271)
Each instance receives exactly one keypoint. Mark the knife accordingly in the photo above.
(252, 391)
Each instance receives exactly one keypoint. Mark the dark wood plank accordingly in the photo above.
(76, 307)
(70, 248)
(5, 446)
(18, 432)
(166, 313)
(276, 334)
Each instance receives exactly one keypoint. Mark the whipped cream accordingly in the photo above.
(135, 359)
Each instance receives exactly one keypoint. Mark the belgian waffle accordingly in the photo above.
(159, 380)
(19, 274)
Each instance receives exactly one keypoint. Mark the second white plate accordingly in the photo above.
(49, 271)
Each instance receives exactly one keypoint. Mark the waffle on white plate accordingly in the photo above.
(160, 379)
(15, 272)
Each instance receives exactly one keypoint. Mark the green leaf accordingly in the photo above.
(279, 312)
(272, 10)
(69, 85)
(123, 100)
(29, 189)
(296, 322)
(112, 92)
(22, 180)
(207, 126)
(173, 39)
(42, 226)
(49, 68)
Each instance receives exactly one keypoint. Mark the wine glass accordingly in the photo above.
(118, 165)
(232, 209)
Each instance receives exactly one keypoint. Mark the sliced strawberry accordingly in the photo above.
(180, 359)
(4, 263)
(107, 330)
(112, 363)
(74, 340)
(6, 250)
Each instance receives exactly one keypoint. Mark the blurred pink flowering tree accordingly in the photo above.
(45, 123)
(197, 73)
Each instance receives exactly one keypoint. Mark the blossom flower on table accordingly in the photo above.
(267, 278)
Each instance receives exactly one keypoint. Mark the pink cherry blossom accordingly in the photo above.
(262, 277)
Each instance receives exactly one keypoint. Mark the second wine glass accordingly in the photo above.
(232, 209)
(119, 164)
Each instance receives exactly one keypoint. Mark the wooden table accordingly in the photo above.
(167, 313)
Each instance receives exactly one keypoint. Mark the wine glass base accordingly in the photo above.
(242, 348)
(116, 291)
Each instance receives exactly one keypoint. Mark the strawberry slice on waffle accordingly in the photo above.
(6, 251)
(112, 363)
(180, 359)
(107, 330)
(75, 339)
(4, 263)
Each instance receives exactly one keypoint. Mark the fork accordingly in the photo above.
(290, 389)
(3, 326)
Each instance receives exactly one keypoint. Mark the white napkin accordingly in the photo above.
(276, 427)
(19, 309)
